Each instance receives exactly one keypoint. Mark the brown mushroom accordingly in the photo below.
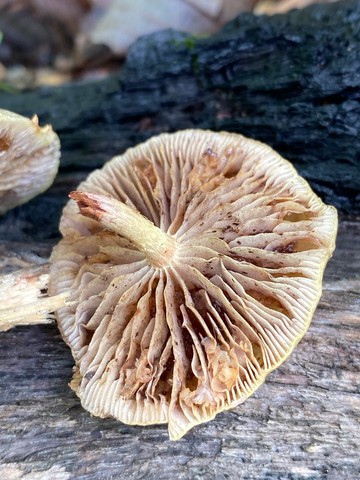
(29, 159)
(193, 271)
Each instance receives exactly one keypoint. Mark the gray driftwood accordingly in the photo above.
(303, 423)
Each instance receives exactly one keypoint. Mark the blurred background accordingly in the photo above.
(50, 42)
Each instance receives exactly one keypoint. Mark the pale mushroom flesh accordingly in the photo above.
(179, 324)
(29, 159)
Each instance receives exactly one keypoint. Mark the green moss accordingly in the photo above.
(195, 64)
(190, 42)
(5, 87)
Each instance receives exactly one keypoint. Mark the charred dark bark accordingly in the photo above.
(292, 81)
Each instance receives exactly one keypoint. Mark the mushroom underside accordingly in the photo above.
(178, 341)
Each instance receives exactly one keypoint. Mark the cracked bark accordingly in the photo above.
(288, 80)
(303, 423)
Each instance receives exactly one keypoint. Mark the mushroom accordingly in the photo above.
(29, 159)
(191, 272)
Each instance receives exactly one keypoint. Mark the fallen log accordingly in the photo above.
(301, 424)
(288, 80)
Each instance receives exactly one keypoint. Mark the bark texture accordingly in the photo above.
(303, 423)
(290, 80)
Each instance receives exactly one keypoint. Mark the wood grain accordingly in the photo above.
(303, 423)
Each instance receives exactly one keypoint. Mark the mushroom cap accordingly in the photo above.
(29, 159)
(180, 342)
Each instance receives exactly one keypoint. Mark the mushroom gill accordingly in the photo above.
(194, 270)
(29, 159)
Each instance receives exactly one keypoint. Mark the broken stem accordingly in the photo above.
(23, 300)
(158, 246)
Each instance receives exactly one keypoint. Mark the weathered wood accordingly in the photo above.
(303, 423)
(291, 81)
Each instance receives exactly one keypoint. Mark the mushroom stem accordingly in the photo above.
(158, 246)
(23, 300)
